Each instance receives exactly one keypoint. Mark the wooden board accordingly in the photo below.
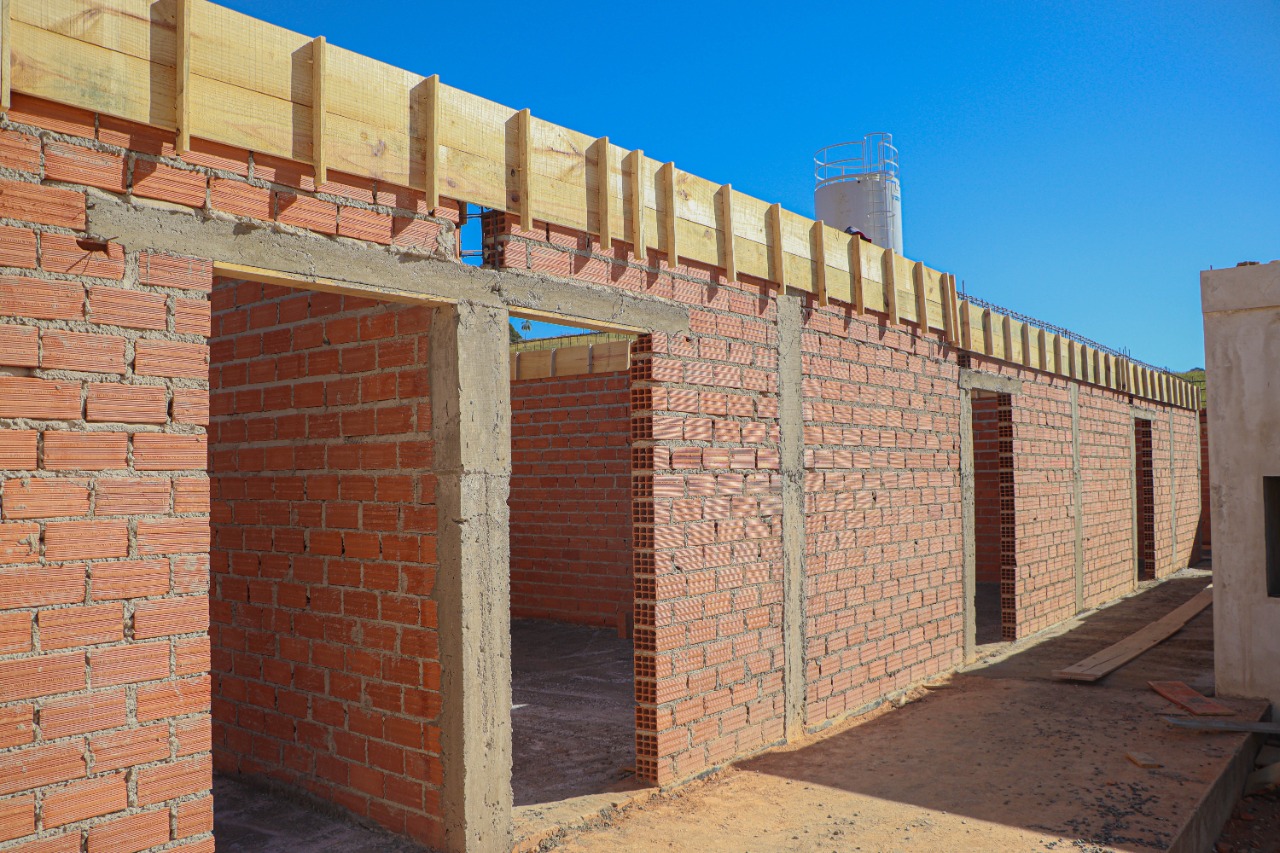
(1115, 656)
(1181, 694)
(1223, 725)
(1143, 760)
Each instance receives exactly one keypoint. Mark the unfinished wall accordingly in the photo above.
(571, 498)
(1204, 532)
(1106, 463)
(326, 663)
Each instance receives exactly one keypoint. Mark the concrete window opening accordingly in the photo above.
(572, 590)
(1144, 493)
(326, 663)
(995, 557)
(1271, 509)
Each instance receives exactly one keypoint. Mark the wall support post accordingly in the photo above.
(791, 417)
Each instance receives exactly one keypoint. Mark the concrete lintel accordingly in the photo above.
(471, 424)
(791, 453)
(977, 380)
(374, 272)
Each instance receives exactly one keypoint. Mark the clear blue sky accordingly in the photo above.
(1079, 162)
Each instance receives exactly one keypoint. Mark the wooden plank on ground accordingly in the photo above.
(1181, 694)
(1115, 656)
(1223, 725)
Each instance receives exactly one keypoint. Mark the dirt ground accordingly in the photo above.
(1000, 758)
(1255, 824)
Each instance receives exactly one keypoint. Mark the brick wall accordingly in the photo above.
(104, 528)
(571, 498)
(1146, 499)
(1204, 537)
(1106, 466)
(326, 670)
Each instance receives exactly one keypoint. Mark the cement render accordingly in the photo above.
(791, 457)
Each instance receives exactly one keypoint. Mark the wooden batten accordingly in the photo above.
(773, 228)
(727, 257)
(524, 167)
(1006, 334)
(319, 109)
(1057, 355)
(1026, 345)
(604, 194)
(988, 333)
(855, 275)
(818, 247)
(888, 272)
(1042, 349)
(966, 327)
(667, 179)
(635, 182)
(431, 142)
(181, 72)
(955, 304)
(6, 57)
(922, 297)
(949, 321)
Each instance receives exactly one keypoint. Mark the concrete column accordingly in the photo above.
(1176, 560)
(791, 427)
(968, 513)
(471, 423)
(1077, 495)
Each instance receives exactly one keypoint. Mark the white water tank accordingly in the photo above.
(858, 190)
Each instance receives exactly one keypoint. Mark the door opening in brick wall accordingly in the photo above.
(995, 557)
(1144, 493)
(326, 673)
(572, 591)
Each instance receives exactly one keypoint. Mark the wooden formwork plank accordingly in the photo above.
(1113, 657)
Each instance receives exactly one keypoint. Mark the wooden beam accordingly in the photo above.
(922, 297)
(855, 274)
(1118, 654)
(635, 173)
(948, 310)
(773, 237)
(727, 257)
(568, 319)
(955, 301)
(524, 167)
(244, 272)
(603, 195)
(1071, 360)
(966, 329)
(1006, 333)
(667, 178)
(889, 272)
(181, 73)
(6, 57)
(319, 109)
(1026, 345)
(431, 142)
(988, 334)
(819, 249)
(1042, 347)
(1057, 354)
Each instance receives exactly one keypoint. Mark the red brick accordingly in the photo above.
(19, 151)
(191, 573)
(191, 317)
(68, 842)
(91, 625)
(85, 540)
(191, 406)
(137, 137)
(18, 449)
(83, 800)
(15, 634)
(130, 834)
(173, 535)
(133, 309)
(45, 498)
(79, 351)
(41, 587)
(159, 270)
(407, 231)
(161, 618)
(17, 725)
(170, 781)
(173, 699)
(195, 817)
(64, 253)
(314, 214)
(131, 497)
(158, 181)
(130, 664)
(130, 579)
(44, 205)
(19, 543)
(202, 845)
(42, 675)
(17, 247)
(239, 198)
(277, 170)
(19, 346)
(167, 452)
(191, 494)
(17, 817)
(214, 155)
(77, 715)
(191, 656)
(88, 451)
(128, 404)
(50, 116)
(75, 164)
(194, 735)
(170, 358)
(361, 224)
(41, 300)
(43, 399)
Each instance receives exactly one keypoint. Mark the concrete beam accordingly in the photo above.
(386, 273)
(977, 380)
(791, 452)
(471, 425)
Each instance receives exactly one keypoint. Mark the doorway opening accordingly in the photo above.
(1144, 495)
(572, 590)
(995, 555)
